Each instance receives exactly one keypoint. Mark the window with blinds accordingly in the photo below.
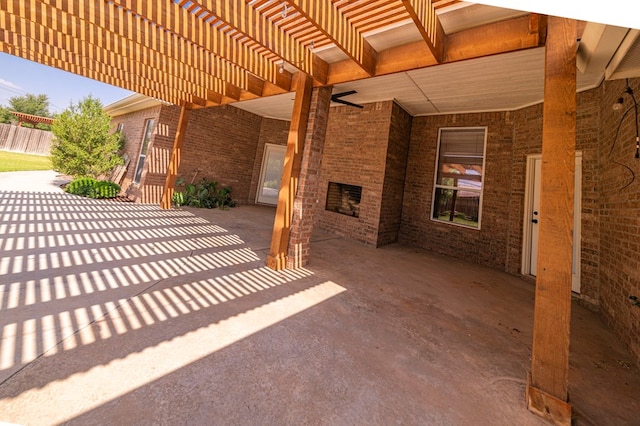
(457, 196)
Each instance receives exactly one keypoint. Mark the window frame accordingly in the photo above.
(437, 186)
(147, 135)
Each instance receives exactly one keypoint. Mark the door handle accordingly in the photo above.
(534, 220)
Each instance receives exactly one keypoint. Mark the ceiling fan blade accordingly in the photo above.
(340, 101)
(337, 99)
(343, 94)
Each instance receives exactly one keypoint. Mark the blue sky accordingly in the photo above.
(19, 76)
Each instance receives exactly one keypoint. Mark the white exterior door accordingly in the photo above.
(270, 174)
(532, 217)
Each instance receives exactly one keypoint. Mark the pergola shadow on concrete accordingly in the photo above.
(120, 313)
(200, 54)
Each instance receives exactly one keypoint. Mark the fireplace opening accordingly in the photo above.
(344, 199)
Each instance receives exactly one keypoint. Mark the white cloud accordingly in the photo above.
(8, 90)
(9, 84)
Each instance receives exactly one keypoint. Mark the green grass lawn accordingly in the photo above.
(17, 162)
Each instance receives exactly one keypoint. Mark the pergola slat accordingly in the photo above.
(129, 74)
(499, 37)
(154, 86)
(72, 67)
(328, 19)
(253, 24)
(179, 21)
(166, 61)
(220, 51)
(424, 17)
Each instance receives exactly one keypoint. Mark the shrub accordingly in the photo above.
(205, 194)
(83, 145)
(93, 188)
(107, 189)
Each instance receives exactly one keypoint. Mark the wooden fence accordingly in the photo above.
(24, 139)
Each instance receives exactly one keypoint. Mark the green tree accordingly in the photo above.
(28, 104)
(82, 144)
(6, 116)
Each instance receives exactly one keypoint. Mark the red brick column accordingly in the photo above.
(305, 203)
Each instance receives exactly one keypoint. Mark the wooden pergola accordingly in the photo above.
(34, 120)
(203, 53)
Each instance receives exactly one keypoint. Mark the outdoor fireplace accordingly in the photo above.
(344, 199)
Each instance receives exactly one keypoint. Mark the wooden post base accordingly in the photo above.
(547, 406)
(277, 262)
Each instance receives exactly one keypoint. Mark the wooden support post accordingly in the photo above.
(176, 153)
(547, 389)
(277, 257)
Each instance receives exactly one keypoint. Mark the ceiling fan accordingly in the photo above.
(337, 98)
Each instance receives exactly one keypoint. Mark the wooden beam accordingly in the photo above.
(404, 58)
(423, 14)
(200, 102)
(241, 16)
(500, 37)
(547, 393)
(179, 21)
(326, 17)
(515, 34)
(176, 155)
(277, 257)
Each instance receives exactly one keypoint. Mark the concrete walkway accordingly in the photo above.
(39, 181)
(116, 313)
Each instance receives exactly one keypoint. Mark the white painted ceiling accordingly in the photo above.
(495, 83)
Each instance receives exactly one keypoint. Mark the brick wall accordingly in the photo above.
(527, 140)
(133, 129)
(355, 153)
(512, 136)
(225, 144)
(221, 145)
(487, 245)
(305, 206)
(159, 154)
(588, 141)
(619, 217)
(394, 175)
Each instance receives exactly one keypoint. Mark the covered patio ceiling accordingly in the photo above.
(430, 56)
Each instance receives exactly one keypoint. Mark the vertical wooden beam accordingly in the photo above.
(176, 154)
(277, 257)
(547, 390)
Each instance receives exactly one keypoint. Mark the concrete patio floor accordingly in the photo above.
(115, 313)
